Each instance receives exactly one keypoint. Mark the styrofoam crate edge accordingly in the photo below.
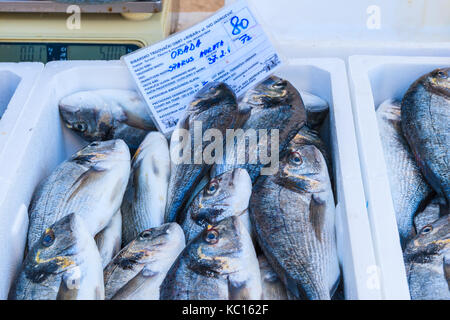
(374, 170)
(28, 72)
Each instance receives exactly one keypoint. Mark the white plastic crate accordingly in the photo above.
(44, 143)
(16, 83)
(374, 79)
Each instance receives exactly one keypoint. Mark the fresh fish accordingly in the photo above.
(91, 183)
(220, 263)
(100, 115)
(137, 271)
(317, 110)
(429, 214)
(144, 203)
(426, 125)
(273, 104)
(63, 265)
(293, 216)
(224, 196)
(109, 240)
(214, 106)
(408, 187)
(427, 260)
(272, 287)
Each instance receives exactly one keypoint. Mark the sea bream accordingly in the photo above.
(427, 261)
(219, 264)
(409, 189)
(144, 202)
(109, 240)
(64, 264)
(293, 216)
(274, 104)
(426, 126)
(213, 107)
(137, 271)
(107, 114)
(224, 196)
(91, 183)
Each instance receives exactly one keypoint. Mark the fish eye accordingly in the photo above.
(427, 229)
(94, 144)
(80, 126)
(295, 158)
(211, 236)
(49, 238)
(212, 187)
(145, 234)
(442, 74)
(280, 84)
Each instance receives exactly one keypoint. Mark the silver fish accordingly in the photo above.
(144, 203)
(214, 106)
(109, 240)
(220, 263)
(224, 196)
(274, 104)
(426, 125)
(293, 215)
(63, 265)
(91, 183)
(408, 187)
(100, 115)
(272, 287)
(137, 271)
(427, 261)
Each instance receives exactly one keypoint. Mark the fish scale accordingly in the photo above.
(226, 268)
(408, 187)
(92, 188)
(426, 125)
(293, 215)
(216, 107)
(273, 104)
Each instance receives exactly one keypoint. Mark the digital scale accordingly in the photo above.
(40, 31)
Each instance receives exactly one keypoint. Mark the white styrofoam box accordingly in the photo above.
(45, 143)
(374, 79)
(330, 28)
(16, 83)
(37, 144)
(327, 79)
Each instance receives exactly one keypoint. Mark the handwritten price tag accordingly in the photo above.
(230, 47)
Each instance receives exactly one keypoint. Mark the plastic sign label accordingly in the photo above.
(231, 47)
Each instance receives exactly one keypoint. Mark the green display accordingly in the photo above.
(95, 52)
(23, 52)
(45, 52)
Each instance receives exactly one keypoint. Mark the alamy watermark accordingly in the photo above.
(73, 22)
(258, 147)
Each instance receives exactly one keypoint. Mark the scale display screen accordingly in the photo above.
(46, 52)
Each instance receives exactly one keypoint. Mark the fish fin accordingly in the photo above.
(135, 284)
(84, 179)
(134, 121)
(447, 269)
(317, 209)
(70, 283)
